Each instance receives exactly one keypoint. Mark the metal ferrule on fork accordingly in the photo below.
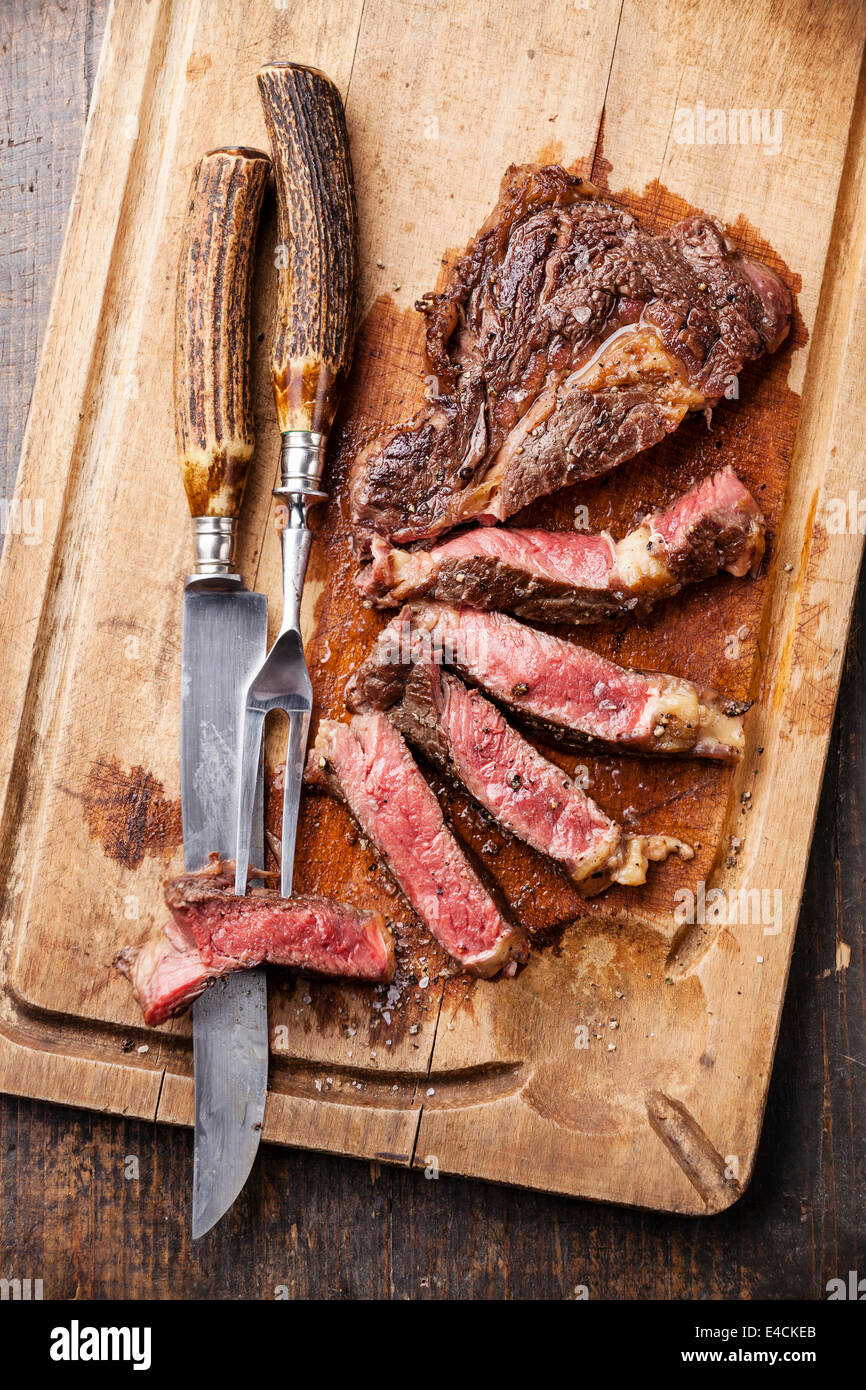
(302, 461)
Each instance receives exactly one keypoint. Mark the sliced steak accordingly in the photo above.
(310, 933)
(571, 694)
(367, 765)
(566, 341)
(214, 932)
(166, 974)
(464, 735)
(564, 576)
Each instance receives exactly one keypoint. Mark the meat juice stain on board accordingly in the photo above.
(128, 813)
(709, 634)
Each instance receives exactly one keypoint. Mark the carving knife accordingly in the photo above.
(317, 229)
(224, 640)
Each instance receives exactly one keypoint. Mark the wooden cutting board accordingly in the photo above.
(630, 1060)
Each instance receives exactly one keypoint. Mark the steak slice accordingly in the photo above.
(460, 732)
(367, 765)
(166, 974)
(563, 576)
(213, 932)
(566, 341)
(571, 694)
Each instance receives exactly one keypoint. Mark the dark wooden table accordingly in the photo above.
(313, 1226)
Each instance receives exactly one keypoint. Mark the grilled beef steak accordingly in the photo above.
(166, 974)
(368, 766)
(569, 693)
(463, 734)
(566, 341)
(214, 932)
(563, 576)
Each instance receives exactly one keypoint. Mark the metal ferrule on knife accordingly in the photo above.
(214, 544)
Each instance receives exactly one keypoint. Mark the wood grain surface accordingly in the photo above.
(302, 1221)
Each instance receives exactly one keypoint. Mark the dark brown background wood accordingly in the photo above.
(326, 1227)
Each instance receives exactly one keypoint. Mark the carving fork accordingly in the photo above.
(313, 340)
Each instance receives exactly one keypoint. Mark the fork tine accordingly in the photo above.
(248, 773)
(299, 726)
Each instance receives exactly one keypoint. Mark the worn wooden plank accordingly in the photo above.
(46, 93)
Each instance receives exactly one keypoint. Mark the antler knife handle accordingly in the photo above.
(317, 228)
(213, 413)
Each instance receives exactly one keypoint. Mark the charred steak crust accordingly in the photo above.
(715, 526)
(573, 577)
(567, 340)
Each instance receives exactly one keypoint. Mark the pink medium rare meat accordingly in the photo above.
(566, 341)
(565, 576)
(213, 932)
(310, 933)
(569, 693)
(464, 735)
(166, 974)
(367, 765)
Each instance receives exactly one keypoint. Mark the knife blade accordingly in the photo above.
(224, 639)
